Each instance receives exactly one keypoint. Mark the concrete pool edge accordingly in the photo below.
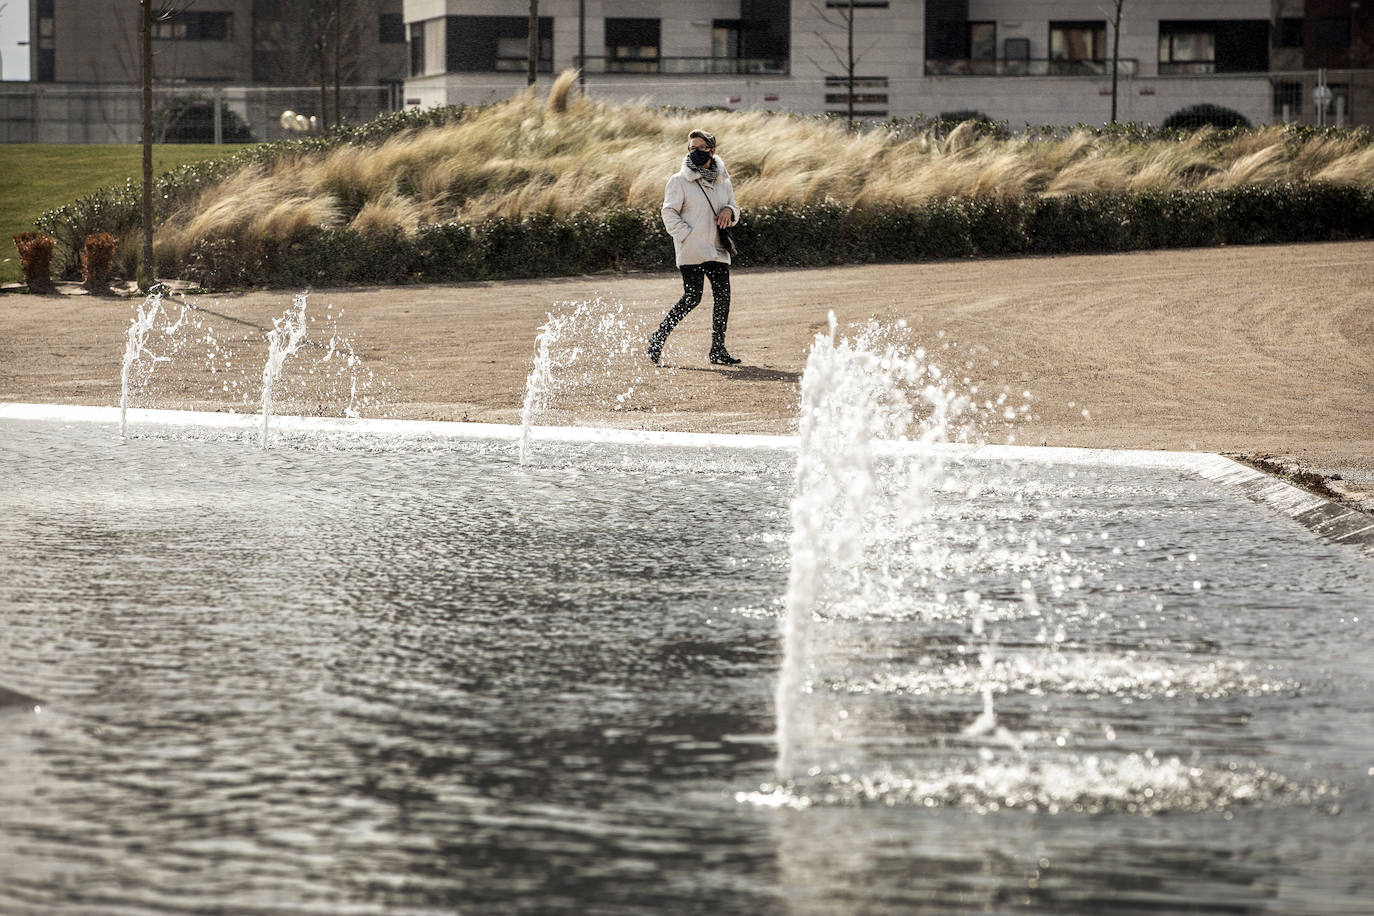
(1329, 520)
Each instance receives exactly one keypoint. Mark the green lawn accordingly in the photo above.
(35, 177)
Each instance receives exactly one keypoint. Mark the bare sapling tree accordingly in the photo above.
(533, 46)
(337, 44)
(338, 58)
(842, 17)
(1116, 50)
(145, 36)
(324, 15)
(166, 12)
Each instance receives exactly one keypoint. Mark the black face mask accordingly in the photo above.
(699, 157)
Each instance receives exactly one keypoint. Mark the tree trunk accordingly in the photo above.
(338, 55)
(1116, 54)
(850, 69)
(324, 85)
(534, 41)
(145, 267)
(582, 44)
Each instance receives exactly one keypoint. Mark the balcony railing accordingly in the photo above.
(1126, 66)
(767, 66)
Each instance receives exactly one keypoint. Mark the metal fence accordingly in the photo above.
(79, 113)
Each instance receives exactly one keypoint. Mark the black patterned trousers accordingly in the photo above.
(694, 278)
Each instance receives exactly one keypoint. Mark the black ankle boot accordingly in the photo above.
(655, 348)
(721, 357)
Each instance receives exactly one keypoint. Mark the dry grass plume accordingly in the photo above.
(566, 153)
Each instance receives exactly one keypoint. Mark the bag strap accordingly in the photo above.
(709, 203)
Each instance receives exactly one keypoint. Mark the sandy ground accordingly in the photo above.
(1261, 351)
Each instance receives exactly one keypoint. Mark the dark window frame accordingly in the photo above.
(1098, 28)
(1332, 33)
(1169, 63)
(1092, 64)
(194, 25)
(637, 32)
(416, 40)
(391, 28)
(474, 44)
(862, 94)
(1288, 32)
(860, 82)
(993, 43)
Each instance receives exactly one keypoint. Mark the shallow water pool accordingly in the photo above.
(374, 675)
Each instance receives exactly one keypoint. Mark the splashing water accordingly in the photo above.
(884, 534)
(540, 380)
(133, 349)
(860, 398)
(139, 355)
(581, 350)
(283, 340)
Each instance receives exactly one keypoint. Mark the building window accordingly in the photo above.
(45, 55)
(496, 43)
(725, 38)
(982, 41)
(169, 29)
(1078, 47)
(632, 45)
(867, 93)
(1288, 94)
(1185, 47)
(1287, 33)
(190, 25)
(391, 28)
(1016, 56)
(748, 46)
(1331, 33)
(1213, 46)
(417, 49)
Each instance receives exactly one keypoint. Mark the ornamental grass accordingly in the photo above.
(566, 154)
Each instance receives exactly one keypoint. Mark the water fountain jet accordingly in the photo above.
(864, 401)
(136, 349)
(283, 340)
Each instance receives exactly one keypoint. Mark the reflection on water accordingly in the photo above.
(355, 676)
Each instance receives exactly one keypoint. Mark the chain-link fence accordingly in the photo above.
(76, 113)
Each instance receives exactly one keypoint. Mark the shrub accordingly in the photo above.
(35, 258)
(191, 119)
(1204, 115)
(810, 235)
(97, 260)
(447, 251)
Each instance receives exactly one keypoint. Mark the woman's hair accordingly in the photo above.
(709, 137)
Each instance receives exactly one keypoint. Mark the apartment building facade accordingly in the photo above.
(229, 42)
(262, 57)
(1022, 61)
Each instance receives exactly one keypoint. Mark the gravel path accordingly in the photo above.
(1263, 351)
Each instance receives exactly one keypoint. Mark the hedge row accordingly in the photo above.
(1294, 135)
(801, 236)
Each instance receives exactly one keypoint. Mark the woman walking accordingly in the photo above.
(698, 200)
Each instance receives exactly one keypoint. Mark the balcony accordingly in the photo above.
(753, 66)
(1126, 66)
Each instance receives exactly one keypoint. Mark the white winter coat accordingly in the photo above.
(688, 216)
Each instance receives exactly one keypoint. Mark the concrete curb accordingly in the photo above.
(1331, 521)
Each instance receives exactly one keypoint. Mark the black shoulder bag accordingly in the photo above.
(726, 243)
